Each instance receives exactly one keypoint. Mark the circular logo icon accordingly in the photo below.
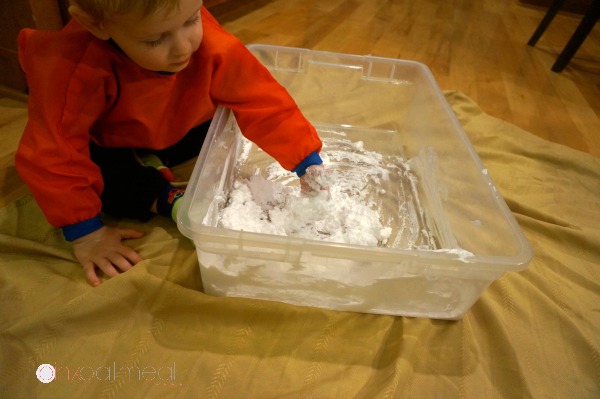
(45, 373)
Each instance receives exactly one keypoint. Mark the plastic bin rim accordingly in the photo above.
(258, 46)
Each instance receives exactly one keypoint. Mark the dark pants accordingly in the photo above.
(130, 188)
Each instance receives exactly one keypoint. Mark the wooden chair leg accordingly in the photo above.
(585, 26)
(552, 11)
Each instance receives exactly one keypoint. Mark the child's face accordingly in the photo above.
(160, 42)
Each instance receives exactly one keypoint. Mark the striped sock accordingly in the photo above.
(175, 208)
(167, 202)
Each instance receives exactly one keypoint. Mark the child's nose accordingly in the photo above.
(181, 46)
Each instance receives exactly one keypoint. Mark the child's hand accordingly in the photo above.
(315, 180)
(103, 249)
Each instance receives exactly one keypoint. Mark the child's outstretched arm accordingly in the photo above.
(104, 250)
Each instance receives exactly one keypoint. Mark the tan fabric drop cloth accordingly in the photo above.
(152, 333)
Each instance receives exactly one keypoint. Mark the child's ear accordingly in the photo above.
(97, 28)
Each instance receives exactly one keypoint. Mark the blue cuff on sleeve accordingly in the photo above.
(313, 159)
(74, 231)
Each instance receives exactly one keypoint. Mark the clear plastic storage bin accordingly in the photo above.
(452, 233)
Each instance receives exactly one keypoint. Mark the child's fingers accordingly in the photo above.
(132, 256)
(128, 253)
(111, 267)
(120, 263)
(127, 258)
(108, 267)
(90, 274)
(106, 252)
(130, 233)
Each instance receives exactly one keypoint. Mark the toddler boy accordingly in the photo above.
(125, 87)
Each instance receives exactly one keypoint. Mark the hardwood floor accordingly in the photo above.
(477, 47)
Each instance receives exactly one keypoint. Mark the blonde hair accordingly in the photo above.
(101, 10)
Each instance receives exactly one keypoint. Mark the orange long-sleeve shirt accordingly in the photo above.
(82, 88)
